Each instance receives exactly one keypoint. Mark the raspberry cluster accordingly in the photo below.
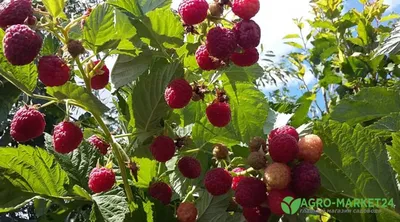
(292, 173)
(237, 44)
(300, 180)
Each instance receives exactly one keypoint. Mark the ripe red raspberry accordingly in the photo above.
(245, 9)
(310, 148)
(186, 212)
(220, 152)
(248, 34)
(101, 179)
(14, 12)
(163, 148)
(277, 176)
(101, 77)
(218, 181)
(250, 192)
(99, 143)
(66, 137)
(53, 71)
(28, 123)
(161, 191)
(248, 57)
(257, 214)
(189, 167)
(283, 148)
(178, 93)
(221, 42)
(193, 12)
(257, 160)
(219, 114)
(305, 179)
(283, 130)
(205, 61)
(21, 44)
(275, 198)
(256, 143)
(237, 179)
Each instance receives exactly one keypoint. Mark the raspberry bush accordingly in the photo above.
(131, 111)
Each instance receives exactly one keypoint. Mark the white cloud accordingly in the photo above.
(393, 3)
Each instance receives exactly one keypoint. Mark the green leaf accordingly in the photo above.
(79, 95)
(387, 125)
(363, 32)
(323, 24)
(8, 96)
(249, 109)
(101, 31)
(50, 45)
(161, 29)
(329, 77)
(55, 7)
(294, 44)
(139, 8)
(127, 68)
(368, 104)
(12, 198)
(394, 153)
(354, 163)
(148, 105)
(390, 17)
(26, 172)
(291, 36)
(110, 206)
(212, 209)
(244, 74)
(148, 170)
(77, 164)
(301, 113)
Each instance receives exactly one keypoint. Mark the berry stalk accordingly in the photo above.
(118, 155)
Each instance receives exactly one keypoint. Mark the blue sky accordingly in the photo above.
(275, 19)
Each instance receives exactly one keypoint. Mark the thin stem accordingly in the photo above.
(117, 154)
(37, 96)
(325, 100)
(73, 23)
(66, 109)
(85, 78)
(190, 193)
(124, 135)
(48, 103)
(159, 168)
(191, 151)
